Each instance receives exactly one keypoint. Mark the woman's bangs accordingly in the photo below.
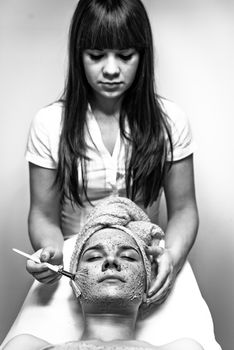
(111, 34)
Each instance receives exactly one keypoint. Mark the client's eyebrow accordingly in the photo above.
(127, 247)
(101, 247)
(94, 247)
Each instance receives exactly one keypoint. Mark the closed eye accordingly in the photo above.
(93, 258)
(96, 57)
(125, 57)
(128, 258)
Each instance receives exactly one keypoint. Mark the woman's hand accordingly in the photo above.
(40, 271)
(165, 277)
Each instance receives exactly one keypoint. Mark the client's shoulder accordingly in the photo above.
(26, 342)
(113, 345)
(182, 344)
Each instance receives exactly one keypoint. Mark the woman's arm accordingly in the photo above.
(44, 222)
(181, 229)
(182, 211)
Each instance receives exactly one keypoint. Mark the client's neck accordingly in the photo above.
(108, 327)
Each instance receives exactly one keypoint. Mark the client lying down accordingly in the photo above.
(113, 275)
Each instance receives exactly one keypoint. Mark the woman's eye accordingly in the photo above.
(126, 57)
(96, 57)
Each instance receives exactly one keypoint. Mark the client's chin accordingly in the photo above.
(110, 300)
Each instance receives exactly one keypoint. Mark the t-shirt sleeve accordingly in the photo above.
(41, 148)
(181, 134)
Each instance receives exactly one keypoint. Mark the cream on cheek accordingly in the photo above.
(87, 280)
(135, 287)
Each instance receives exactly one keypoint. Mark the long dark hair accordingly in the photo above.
(114, 24)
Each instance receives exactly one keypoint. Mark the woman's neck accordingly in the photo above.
(108, 107)
(107, 327)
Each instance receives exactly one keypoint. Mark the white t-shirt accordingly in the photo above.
(105, 172)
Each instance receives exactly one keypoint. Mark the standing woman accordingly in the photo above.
(110, 134)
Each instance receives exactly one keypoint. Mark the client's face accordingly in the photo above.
(111, 273)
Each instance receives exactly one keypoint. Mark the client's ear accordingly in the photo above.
(76, 289)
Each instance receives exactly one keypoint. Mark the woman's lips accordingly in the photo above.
(111, 85)
(111, 82)
(111, 277)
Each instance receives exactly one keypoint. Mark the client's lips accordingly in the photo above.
(111, 277)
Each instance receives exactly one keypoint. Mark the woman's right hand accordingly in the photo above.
(40, 271)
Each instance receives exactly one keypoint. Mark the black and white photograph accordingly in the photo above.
(116, 148)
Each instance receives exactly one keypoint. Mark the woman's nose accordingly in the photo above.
(111, 263)
(111, 68)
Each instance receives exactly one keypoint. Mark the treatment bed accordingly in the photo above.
(51, 312)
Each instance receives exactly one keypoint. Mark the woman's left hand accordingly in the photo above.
(166, 275)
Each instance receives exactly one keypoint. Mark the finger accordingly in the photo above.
(49, 279)
(47, 253)
(44, 274)
(160, 280)
(160, 300)
(33, 267)
(162, 294)
(155, 251)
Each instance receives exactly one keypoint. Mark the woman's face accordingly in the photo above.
(111, 270)
(110, 72)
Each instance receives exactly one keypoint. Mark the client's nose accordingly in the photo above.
(111, 263)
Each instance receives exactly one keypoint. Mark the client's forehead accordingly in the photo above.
(111, 237)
